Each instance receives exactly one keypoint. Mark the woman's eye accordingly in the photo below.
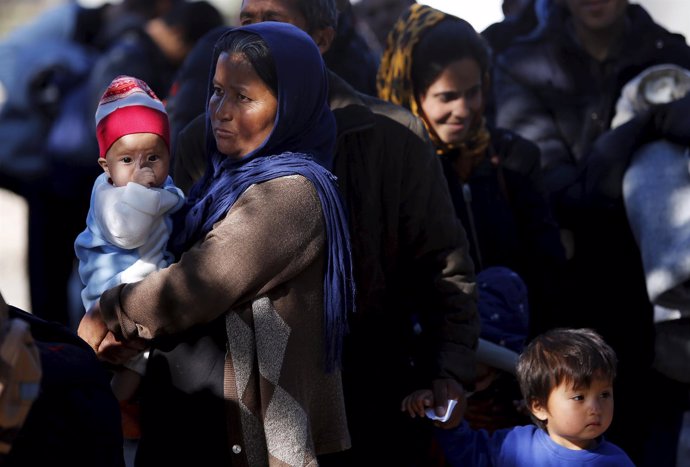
(242, 98)
(217, 91)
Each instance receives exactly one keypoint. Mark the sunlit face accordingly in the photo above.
(242, 107)
(131, 154)
(283, 11)
(454, 100)
(596, 15)
(576, 417)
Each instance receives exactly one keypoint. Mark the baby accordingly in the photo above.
(128, 224)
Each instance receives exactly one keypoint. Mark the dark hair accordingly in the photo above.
(150, 9)
(255, 50)
(194, 19)
(318, 13)
(573, 356)
(450, 40)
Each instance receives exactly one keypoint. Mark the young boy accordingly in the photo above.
(566, 378)
(128, 224)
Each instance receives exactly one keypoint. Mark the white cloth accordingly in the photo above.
(656, 191)
(126, 235)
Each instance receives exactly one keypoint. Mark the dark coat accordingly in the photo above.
(76, 418)
(549, 90)
(512, 218)
(350, 56)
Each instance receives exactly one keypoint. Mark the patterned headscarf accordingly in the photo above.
(394, 83)
(301, 143)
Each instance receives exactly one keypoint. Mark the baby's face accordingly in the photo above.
(142, 158)
(575, 417)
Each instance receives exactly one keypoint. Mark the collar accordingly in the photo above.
(349, 107)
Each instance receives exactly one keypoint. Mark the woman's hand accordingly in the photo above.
(108, 348)
(118, 352)
(92, 328)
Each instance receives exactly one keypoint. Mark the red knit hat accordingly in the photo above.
(129, 106)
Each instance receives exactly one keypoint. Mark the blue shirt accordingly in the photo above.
(522, 446)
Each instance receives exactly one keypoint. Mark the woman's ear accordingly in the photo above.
(324, 38)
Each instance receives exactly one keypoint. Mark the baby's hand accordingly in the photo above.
(144, 176)
(417, 402)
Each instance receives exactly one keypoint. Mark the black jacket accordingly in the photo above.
(549, 90)
(509, 220)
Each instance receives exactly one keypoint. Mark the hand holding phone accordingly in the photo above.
(430, 412)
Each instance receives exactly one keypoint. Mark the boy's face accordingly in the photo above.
(576, 417)
(142, 158)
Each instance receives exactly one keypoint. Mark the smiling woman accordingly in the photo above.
(437, 65)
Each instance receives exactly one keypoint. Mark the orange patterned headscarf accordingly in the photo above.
(394, 82)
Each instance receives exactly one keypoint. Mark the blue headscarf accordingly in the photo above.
(301, 143)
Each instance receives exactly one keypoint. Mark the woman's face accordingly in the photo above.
(454, 100)
(242, 107)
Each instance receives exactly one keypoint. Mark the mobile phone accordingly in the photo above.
(430, 412)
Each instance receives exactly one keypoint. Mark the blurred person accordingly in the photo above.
(558, 87)
(155, 51)
(409, 251)
(349, 55)
(521, 17)
(514, 8)
(380, 16)
(640, 150)
(56, 406)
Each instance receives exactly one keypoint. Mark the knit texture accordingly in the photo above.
(129, 106)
